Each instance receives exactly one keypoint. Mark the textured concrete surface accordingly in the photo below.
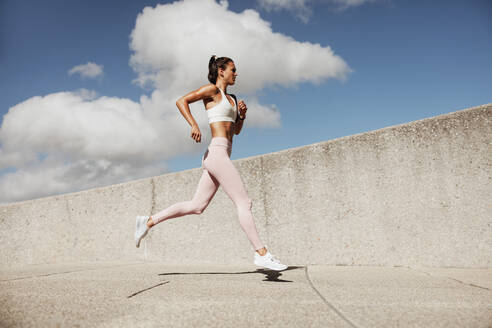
(416, 194)
(151, 294)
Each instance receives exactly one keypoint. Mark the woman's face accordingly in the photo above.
(229, 74)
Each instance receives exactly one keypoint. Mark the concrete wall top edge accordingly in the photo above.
(80, 192)
(487, 106)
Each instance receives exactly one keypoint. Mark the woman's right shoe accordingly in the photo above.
(269, 261)
(141, 229)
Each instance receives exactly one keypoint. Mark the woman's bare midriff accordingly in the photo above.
(222, 129)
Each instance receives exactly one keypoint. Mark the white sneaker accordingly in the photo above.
(269, 261)
(141, 229)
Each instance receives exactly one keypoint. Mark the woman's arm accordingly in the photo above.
(207, 91)
(238, 125)
(241, 111)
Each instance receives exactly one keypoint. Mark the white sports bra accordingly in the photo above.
(222, 111)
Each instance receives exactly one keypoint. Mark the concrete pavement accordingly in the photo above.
(152, 294)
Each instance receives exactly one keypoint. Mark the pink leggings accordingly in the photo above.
(218, 169)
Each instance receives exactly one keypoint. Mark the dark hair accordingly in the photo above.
(213, 67)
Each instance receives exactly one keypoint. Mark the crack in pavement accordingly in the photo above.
(143, 290)
(326, 301)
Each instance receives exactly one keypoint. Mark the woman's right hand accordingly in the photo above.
(195, 133)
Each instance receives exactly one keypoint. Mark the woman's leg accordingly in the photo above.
(221, 167)
(207, 187)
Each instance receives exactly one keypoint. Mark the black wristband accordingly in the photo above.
(242, 119)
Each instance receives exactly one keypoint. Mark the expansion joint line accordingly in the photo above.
(152, 204)
(71, 271)
(457, 280)
(340, 314)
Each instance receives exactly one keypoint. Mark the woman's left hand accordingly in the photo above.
(242, 109)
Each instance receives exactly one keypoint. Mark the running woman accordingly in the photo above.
(225, 117)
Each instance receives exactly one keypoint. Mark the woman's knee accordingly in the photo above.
(199, 207)
(245, 203)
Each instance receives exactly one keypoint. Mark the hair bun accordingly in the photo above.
(214, 64)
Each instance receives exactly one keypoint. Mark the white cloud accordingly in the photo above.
(302, 8)
(69, 141)
(172, 45)
(262, 116)
(89, 70)
(51, 176)
(299, 7)
(344, 4)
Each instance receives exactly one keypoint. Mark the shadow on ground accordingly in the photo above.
(270, 275)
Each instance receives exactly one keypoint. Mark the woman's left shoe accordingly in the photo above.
(141, 229)
(269, 261)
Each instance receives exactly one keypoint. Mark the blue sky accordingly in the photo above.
(409, 60)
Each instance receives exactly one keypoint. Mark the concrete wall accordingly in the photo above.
(416, 194)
